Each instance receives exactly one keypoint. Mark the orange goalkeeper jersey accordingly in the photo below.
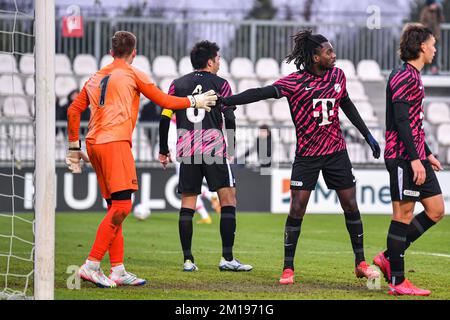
(113, 94)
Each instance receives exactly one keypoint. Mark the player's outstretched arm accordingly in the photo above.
(251, 95)
(75, 154)
(355, 118)
(200, 101)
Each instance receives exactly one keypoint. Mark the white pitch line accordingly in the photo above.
(431, 254)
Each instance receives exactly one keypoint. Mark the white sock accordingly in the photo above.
(93, 265)
(118, 270)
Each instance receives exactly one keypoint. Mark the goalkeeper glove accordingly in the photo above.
(74, 156)
(204, 100)
(373, 145)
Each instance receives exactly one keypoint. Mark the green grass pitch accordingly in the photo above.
(324, 259)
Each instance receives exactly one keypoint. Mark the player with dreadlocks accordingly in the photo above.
(315, 93)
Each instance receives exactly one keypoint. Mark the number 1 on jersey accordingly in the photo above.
(103, 87)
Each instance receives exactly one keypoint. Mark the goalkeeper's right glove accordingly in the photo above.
(204, 100)
(74, 156)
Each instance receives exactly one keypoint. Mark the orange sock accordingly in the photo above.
(116, 249)
(109, 227)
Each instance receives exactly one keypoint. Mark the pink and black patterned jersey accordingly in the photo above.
(405, 86)
(200, 132)
(314, 103)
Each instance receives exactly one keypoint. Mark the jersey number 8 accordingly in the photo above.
(190, 112)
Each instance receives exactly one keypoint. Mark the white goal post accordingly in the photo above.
(44, 276)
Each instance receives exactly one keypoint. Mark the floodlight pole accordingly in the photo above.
(44, 261)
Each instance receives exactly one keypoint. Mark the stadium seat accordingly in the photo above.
(267, 68)
(242, 68)
(11, 85)
(165, 66)
(356, 91)
(438, 112)
(105, 60)
(7, 63)
(15, 107)
(224, 69)
(64, 85)
(62, 65)
(365, 109)
(369, 70)
(281, 110)
(185, 66)
(245, 84)
(348, 67)
(5, 150)
(84, 64)
(26, 64)
(258, 111)
(287, 68)
(141, 62)
(29, 86)
(443, 135)
(165, 83)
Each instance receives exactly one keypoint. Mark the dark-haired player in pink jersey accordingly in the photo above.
(315, 93)
(408, 159)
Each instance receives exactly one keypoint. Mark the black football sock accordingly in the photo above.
(417, 227)
(185, 230)
(292, 231)
(355, 230)
(227, 230)
(396, 241)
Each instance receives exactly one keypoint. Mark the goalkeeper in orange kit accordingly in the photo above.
(113, 94)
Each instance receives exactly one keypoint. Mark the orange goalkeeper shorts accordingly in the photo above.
(114, 165)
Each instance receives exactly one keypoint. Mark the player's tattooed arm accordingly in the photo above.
(355, 118)
(251, 95)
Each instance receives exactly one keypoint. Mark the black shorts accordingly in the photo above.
(336, 170)
(218, 175)
(402, 184)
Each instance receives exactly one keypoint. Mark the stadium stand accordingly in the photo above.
(26, 64)
(242, 68)
(105, 60)
(356, 91)
(62, 65)
(11, 85)
(281, 111)
(185, 66)
(64, 85)
(85, 64)
(259, 111)
(164, 84)
(246, 84)
(7, 63)
(15, 107)
(29, 86)
(267, 68)
(224, 69)
(369, 70)
(348, 67)
(438, 112)
(141, 62)
(287, 68)
(165, 66)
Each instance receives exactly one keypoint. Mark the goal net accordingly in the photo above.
(26, 253)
